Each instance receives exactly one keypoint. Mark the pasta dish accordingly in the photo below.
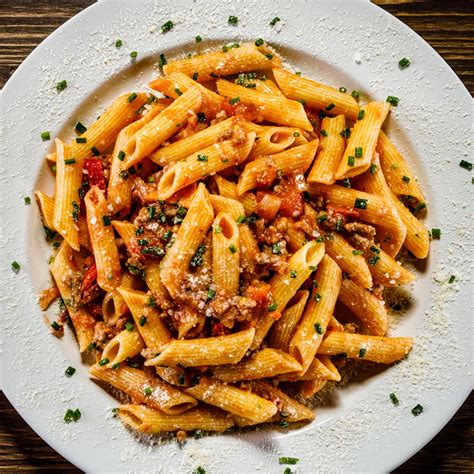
(203, 234)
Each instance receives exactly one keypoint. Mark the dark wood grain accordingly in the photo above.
(446, 25)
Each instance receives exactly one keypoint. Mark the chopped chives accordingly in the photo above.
(466, 165)
(272, 307)
(355, 94)
(202, 158)
(293, 273)
(232, 248)
(129, 326)
(118, 43)
(27, 200)
(324, 133)
(234, 101)
(374, 249)
(343, 89)
(259, 42)
(106, 220)
(72, 415)
(198, 39)
(406, 179)
(133, 54)
(269, 56)
(296, 134)
(61, 85)
(301, 101)
(417, 410)
(45, 136)
(81, 140)
(178, 91)
(211, 294)
(318, 328)
(225, 49)
(346, 182)
(201, 116)
(357, 252)
(287, 460)
(217, 229)
(70, 371)
(436, 234)
(362, 352)
(394, 399)
(317, 297)
(147, 390)
(233, 20)
(404, 63)
(132, 97)
(241, 220)
(80, 128)
(168, 26)
(420, 206)
(55, 326)
(162, 61)
(350, 160)
(142, 321)
(373, 168)
(346, 132)
(104, 361)
(330, 106)
(274, 21)
(361, 114)
(195, 76)
(121, 155)
(95, 151)
(392, 100)
(360, 203)
(358, 152)
(373, 260)
(69, 161)
(451, 279)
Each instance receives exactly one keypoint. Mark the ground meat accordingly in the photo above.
(103, 334)
(357, 227)
(308, 225)
(266, 177)
(90, 294)
(139, 190)
(360, 242)
(271, 235)
(271, 261)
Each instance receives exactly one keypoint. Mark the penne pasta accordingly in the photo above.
(272, 108)
(315, 95)
(232, 399)
(321, 368)
(103, 240)
(275, 139)
(331, 149)
(150, 421)
(368, 309)
(263, 364)
(363, 140)
(208, 351)
(285, 285)
(309, 333)
(384, 350)
(294, 159)
(207, 66)
(46, 207)
(124, 345)
(197, 166)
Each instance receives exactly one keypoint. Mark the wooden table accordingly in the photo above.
(446, 25)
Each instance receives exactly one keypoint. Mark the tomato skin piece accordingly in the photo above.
(95, 173)
(90, 276)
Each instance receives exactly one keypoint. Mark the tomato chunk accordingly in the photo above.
(95, 173)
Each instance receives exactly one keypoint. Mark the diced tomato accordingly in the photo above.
(95, 173)
(291, 199)
(267, 205)
(266, 177)
(276, 315)
(343, 211)
(218, 329)
(259, 292)
(90, 276)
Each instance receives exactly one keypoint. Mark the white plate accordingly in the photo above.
(361, 430)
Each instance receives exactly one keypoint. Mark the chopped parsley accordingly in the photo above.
(392, 100)
(318, 328)
(27, 200)
(276, 249)
(199, 470)
(133, 54)
(403, 63)
(234, 101)
(118, 43)
(45, 136)
(198, 39)
(302, 102)
(274, 21)
(287, 460)
(168, 26)
(417, 410)
(436, 234)
(232, 20)
(394, 399)
(283, 424)
(180, 215)
(61, 85)
(70, 371)
(72, 415)
(360, 203)
(466, 165)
